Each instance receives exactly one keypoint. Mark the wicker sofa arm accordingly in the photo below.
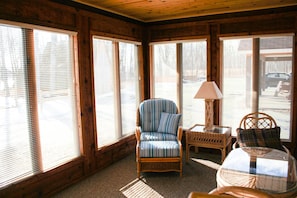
(137, 133)
(179, 133)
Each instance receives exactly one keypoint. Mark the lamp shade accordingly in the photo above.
(209, 90)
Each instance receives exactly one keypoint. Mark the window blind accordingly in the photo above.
(38, 125)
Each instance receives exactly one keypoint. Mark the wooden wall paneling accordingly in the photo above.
(177, 31)
(145, 66)
(213, 65)
(46, 184)
(111, 154)
(115, 28)
(253, 26)
(56, 180)
(39, 12)
(86, 93)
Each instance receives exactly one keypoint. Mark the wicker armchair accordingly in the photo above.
(158, 136)
(258, 129)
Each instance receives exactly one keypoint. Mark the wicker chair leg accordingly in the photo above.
(181, 168)
(138, 169)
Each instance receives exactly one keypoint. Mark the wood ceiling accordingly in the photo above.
(159, 10)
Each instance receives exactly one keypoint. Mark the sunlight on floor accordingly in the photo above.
(207, 163)
(138, 188)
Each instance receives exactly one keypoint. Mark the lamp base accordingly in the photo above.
(208, 115)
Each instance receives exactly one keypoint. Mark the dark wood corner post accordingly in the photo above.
(88, 136)
(145, 68)
(214, 64)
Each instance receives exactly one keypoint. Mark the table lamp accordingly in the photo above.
(210, 92)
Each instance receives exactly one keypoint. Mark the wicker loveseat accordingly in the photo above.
(158, 135)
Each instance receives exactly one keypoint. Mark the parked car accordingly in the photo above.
(273, 79)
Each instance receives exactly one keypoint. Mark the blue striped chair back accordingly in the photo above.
(150, 112)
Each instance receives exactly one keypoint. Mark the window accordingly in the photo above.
(257, 76)
(181, 62)
(129, 86)
(165, 71)
(194, 74)
(116, 89)
(39, 129)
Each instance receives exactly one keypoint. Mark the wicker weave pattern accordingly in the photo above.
(220, 138)
(257, 120)
(207, 138)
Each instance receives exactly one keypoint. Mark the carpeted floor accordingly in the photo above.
(120, 180)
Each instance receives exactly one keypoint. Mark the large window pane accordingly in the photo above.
(194, 74)
(165, 73)
(129, 86)
(276, 78)
(56, 97)
(236, 83)
(271, 74)
(104, 90)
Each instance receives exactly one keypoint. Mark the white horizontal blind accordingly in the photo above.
(15, 151)
(38, 125)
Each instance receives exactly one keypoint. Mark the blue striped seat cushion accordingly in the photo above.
(155, 136)
(159, 149)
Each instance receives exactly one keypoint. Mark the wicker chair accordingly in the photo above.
(258, 125)
(257, 120)
(158, 136)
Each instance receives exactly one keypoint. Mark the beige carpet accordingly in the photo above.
(120, 180)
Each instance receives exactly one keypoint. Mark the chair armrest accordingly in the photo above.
(179, 133)
(286, 150)
(137, 133)
(235, 145)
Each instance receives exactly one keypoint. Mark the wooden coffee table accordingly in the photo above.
(269, 170)
(218, 138)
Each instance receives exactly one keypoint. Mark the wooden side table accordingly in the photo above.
(218, 138)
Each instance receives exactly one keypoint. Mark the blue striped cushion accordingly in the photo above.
(159, 149)
(155, 136)
(169, 123)
(150, 112)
